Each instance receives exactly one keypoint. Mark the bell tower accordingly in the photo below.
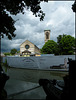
(47, 35)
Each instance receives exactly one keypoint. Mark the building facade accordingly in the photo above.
(28, 47)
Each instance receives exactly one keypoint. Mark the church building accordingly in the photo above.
(28, 48)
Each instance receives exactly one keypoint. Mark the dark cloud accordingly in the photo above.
(59, 19)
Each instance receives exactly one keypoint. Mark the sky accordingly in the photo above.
(59, 18)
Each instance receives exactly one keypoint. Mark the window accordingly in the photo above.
(27, 46)
(47, 35)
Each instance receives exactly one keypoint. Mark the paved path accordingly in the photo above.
(24, 90)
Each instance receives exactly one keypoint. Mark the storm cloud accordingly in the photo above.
(59, 18)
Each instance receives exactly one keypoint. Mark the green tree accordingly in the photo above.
(50, 47)
(13, 51)
(58, 42)
(18, 51)
(6, 53)
(13, 7)
(66, 44)
(60, 37)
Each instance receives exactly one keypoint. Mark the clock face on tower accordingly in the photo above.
(27, 46)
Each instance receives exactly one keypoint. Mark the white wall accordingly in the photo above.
(41, 62)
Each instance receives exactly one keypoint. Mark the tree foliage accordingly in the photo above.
(74, 7)
(58, 41)
(6, 53)
(14, 7)
(50, 47)
(13, 51)
(66, 45)
(60, 37)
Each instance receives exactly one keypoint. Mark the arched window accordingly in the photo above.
(47, 35)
